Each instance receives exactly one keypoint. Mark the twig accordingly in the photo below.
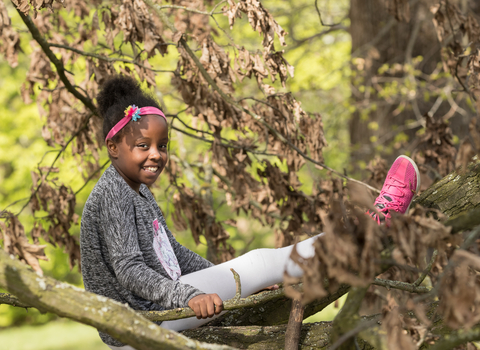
(238, 292)
(53, 163)
(246, 149)
(472, 237)
(427, 269)
(231, 304)
(400, 285)
(320, 16)
(91, 176)
(110, 59)
(12, 300)
(161, 7)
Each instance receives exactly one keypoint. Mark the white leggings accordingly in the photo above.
(258, 269)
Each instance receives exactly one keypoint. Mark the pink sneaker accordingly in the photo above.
(401, 184)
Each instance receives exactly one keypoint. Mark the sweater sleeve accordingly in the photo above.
(127, 260)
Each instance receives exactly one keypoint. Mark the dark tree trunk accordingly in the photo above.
(378, 39)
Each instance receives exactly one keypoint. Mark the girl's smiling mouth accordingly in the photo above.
(151, 169)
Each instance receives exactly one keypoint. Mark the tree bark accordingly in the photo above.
(457, 193)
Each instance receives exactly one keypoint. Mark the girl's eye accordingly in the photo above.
(143, 145)
(162, 146)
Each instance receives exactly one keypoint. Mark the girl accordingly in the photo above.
(129, 254)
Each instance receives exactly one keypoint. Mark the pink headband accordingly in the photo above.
(133, 113)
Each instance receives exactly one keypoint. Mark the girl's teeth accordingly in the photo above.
(152, 169)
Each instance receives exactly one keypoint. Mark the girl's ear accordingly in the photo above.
(112, 149)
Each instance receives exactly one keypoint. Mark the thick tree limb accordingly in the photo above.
(456, 194)
(313, 336)
(256, 300)
(107, 315)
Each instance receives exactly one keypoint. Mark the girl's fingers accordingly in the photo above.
(203, 310)
(210, 308)
(218, 303)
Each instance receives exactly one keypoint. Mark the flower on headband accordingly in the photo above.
(133, 112)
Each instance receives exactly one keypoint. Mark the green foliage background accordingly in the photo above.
(321, 83)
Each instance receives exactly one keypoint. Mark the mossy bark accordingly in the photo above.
(455, 194)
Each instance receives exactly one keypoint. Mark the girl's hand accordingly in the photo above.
(206, 305)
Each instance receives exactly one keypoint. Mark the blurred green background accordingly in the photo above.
(321, 83)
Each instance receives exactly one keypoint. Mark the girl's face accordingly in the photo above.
(141, 154)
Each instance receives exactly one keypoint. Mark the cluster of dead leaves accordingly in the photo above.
(137, 24)
(453, 29)
(16, 242)
(26, 5)
(9, 38)
(201, 221)
(259, 18)
(59, 205)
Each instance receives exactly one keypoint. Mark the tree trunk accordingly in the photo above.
(378, 38)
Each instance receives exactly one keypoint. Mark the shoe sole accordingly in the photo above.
(416, 172)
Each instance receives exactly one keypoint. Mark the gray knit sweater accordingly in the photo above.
(118, 257)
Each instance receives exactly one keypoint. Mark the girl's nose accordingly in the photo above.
(155, 154)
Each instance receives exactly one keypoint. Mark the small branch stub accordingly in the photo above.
(238, 293)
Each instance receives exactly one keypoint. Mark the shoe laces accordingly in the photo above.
(389, 197)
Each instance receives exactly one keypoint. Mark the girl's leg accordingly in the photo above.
(257, 269)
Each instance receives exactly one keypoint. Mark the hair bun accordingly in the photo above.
(114, 90)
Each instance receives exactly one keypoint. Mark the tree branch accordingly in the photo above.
(401, 286)
(179, 313)
(110, 59)
(160, 7)
(425, 272)
(457, 338)
(107, 315)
